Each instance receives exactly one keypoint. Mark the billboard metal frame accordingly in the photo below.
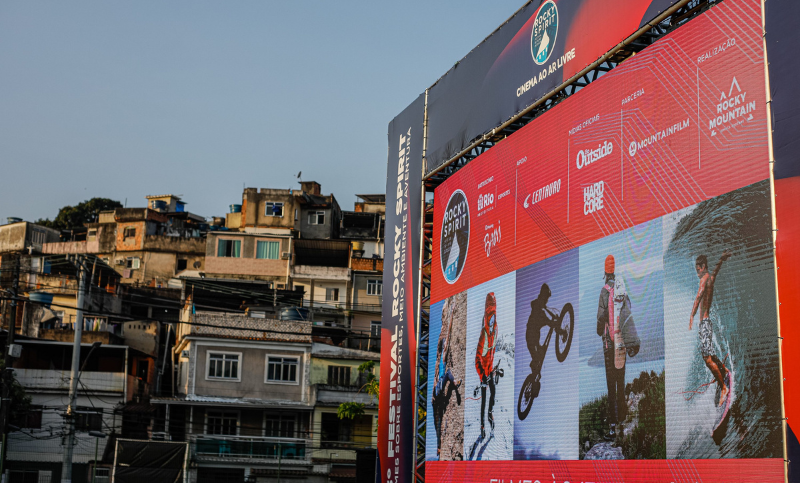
(665, 23)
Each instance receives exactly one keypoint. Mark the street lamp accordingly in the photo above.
(98, 435)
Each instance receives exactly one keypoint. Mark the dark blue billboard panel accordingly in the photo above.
(396, 432)
(545, 43)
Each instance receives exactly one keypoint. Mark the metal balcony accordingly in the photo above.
(251, 447)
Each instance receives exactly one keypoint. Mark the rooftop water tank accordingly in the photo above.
(236, 208)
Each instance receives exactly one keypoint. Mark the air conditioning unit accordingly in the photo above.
(185, 354)
(286, 256)
(281, 286)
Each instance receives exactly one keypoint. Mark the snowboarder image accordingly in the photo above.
(702, 301)
(442, 375)
(617, 331)
(484, 359)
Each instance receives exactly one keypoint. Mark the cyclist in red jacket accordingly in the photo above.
(484, 357)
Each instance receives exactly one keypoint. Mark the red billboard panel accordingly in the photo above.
(603, 295)
(677, 124)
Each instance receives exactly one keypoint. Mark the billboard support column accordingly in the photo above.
(771, 151)
(421, 369)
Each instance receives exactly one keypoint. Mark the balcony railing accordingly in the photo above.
(251, 447)
(331, 306)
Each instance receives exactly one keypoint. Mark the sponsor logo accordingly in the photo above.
(455, 237)
(485, 201)
(491, 238)
(544, 32)
(542, 193)
(733, 109)
(593, 197)
(586, 157)
(636, 146)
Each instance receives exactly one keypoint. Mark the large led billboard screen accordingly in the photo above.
(603, 281)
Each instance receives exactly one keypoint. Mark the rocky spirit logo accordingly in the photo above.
(588, 156)
(544, 32)
(455, 237)
(593, 197)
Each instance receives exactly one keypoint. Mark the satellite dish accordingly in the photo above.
(196, 264)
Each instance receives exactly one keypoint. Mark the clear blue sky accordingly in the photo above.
(125, 99)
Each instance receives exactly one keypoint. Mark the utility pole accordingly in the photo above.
(8, 373)
(66, 465)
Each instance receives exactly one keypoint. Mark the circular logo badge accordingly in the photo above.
(454, 240)
(632, 149)
(544, 32)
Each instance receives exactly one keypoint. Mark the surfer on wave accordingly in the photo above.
(703, 302)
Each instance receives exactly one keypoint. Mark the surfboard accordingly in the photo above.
(724, 409)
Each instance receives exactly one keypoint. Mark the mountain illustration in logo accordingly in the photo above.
(544, 32)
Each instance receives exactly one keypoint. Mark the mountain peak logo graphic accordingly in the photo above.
(734, 83)
(544, 32)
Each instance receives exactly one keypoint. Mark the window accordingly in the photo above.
(268, 249)
(38, 237)
(279, 426)
(223, 365)
(102, 475)
(91, 235)
(335, 431)
(374, 287)
(316, 217)
(338, 375)
(274, 208)
(282, 369)
(132, 262)
(223, 423)
(129, 232)
(375, 329)
(332, 294)
(182, 265)
(30, 420)
(88, 419)
(295, 214)
(27, 476)
(229, 248)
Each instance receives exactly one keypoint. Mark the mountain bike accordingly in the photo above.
(563, 325)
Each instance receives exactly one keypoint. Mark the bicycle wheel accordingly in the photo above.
(566, 329)
(527, 394)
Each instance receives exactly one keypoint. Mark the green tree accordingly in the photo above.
(76, 216)
(351, 410)
(20, 401)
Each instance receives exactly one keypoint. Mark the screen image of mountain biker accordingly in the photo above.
(618, 300)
